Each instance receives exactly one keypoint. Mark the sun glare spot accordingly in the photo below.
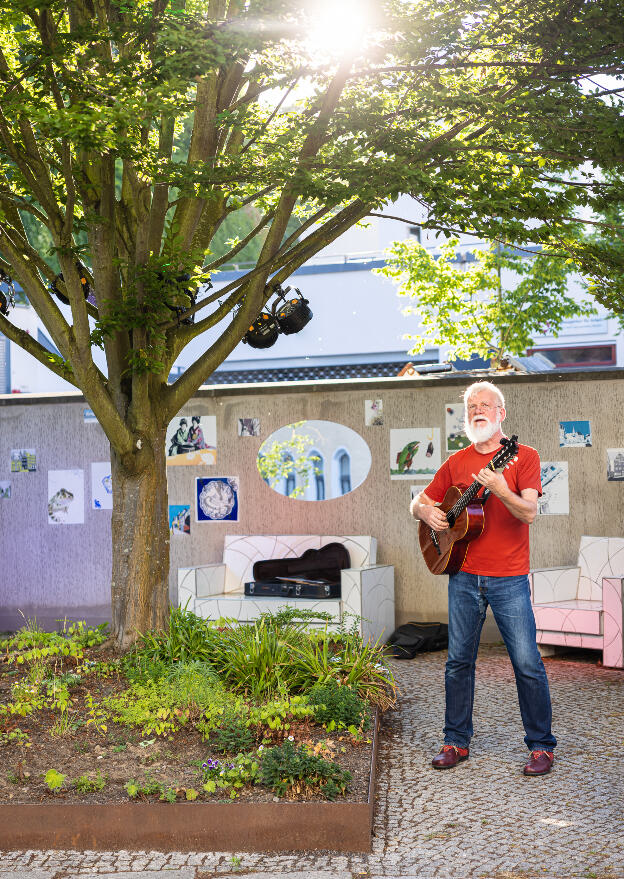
(337, 27)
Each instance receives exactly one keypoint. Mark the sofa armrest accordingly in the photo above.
(368, 592)
(613, 621)
(203, 581)
(554, 584)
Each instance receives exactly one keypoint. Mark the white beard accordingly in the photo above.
(481, 433)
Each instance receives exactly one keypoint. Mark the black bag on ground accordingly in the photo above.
(412, 638)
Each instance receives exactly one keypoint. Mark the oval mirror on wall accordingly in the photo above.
(314, 460)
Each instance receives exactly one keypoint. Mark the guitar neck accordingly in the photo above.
(471, 492)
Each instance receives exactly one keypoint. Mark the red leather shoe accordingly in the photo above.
(540, 763)
(449, 756)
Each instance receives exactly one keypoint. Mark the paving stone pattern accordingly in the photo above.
(482, 819)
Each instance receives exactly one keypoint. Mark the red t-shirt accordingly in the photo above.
(502, 549)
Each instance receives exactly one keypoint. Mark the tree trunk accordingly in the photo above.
(140, 532)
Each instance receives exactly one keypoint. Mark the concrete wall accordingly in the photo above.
(49, 569)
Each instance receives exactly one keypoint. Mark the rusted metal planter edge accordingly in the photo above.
(259, 827)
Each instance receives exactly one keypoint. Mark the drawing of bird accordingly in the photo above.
(405, 456)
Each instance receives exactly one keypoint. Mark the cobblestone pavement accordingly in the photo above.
(482, 819)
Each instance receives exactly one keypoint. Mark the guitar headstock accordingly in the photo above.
(506, 455)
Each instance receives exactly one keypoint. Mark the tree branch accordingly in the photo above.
(29, 344)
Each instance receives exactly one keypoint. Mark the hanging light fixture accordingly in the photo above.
(7, 300)
(87, 290)
(293, 315)
(263, 332)
(287, 315)
(186, 298)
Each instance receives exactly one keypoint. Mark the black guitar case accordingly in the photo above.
(315, 574)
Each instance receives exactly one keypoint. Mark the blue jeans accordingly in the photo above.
(510, 600)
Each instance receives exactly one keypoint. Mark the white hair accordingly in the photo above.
(477, 387)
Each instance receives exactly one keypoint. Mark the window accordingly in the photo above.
(344, 472)
(581, 355)
(289, 477)
(317, 473)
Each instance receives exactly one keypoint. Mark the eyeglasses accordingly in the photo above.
(486, 407)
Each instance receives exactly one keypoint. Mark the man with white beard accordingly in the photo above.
(495, 573)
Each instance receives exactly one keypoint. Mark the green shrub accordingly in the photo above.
(85, 784)
(30, 644)
(149, 787)
(14, 737)
(232, 737)
(187, 638)
(351, 661)
(287, 766)
(164, 705)
(278, 714)
(230, 776)
(221, 712)
(54, 780)
(340, 705)
(256, 658)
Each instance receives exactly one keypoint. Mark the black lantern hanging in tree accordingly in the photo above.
(263, 332)
(287, 315)
(294, 313)
(87, 289)
(7, 298)
(186, 297)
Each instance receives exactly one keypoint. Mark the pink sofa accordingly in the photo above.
(583, 606)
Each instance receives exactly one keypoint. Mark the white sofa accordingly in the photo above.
(217, 590)
(583, 606)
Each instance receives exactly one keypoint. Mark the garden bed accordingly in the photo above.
(89, 764)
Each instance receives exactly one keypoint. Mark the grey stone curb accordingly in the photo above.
(300, 874)
(26, 873)
(165, 873)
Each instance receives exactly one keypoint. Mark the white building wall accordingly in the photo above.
(357, 314)
(27, 374)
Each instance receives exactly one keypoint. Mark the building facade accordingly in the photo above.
(357, 329)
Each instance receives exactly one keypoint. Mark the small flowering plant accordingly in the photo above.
(230, 776)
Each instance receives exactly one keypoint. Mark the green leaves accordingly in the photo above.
(283, 458)
(54, 780)
(286, 765)
(492, 306)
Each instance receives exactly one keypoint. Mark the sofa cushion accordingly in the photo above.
(584, 617)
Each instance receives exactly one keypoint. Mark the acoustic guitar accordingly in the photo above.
(444, 551)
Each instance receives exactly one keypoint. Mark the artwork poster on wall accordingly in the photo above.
(373, 413)
(414, 452)
(216, 499)
(249, 427)
(65, 497)
(23, 460)
(574, 433)
(179, 519)
(455, 436)
(555, 499)
(101, 486)
(192, 440)
(615, 465)
(5, 490)
(417, 489)
(88, 416)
